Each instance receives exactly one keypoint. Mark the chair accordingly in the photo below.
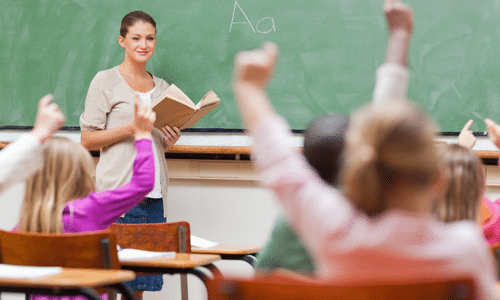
(173, 236)
(285, 287)
(90, 250)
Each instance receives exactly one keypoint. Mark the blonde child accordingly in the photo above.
(383, 229)
(491, 222)
(23, 157)
(61, 198)
(463, 197)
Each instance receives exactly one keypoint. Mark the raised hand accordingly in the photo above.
(466, 138)
(49, 118)
(493, 131)
(144, 119)
(399, 17)
(252, 71)
(256, 67)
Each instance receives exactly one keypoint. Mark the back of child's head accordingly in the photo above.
(323, 144)
(66, 175)
(465, 186)
(389, 147)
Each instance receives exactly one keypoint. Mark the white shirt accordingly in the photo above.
(156, 192)
(19, 160)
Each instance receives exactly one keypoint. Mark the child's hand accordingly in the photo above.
(493, 131)
(399, 18)
(254, 68)
(48, 120)
(466, 138)
(144, 119)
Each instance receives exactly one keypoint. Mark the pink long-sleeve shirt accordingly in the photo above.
(99, 210)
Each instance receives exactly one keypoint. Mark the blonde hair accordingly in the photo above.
(388, 144)
(66, 175)
(465, 186)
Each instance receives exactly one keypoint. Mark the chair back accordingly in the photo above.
(283, 287)
(174, 236)
(95, 250)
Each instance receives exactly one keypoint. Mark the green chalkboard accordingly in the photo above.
(330, 50)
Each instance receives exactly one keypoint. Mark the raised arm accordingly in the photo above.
(252, 71)
(22, 158)
(493, 132)
(104, 208)
(393, 75)
(399, 17)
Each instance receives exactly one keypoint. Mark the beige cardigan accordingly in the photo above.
(109, 104)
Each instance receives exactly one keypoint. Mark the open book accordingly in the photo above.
(175, 109)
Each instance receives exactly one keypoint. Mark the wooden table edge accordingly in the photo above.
(71, 278)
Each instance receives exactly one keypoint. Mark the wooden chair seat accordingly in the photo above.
(294, 288)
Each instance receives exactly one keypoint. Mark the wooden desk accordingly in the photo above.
(70, 282)
(182, 263)
(231, 252)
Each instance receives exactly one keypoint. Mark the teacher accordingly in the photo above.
(106, 125)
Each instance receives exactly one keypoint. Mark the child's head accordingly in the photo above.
(66, 175)
(323, 144)
(133, 17)
(390, 150)
(465, 187)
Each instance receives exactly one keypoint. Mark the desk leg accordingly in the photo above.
(184, 287)
(215, 271)
(252, 260)
(125, 291)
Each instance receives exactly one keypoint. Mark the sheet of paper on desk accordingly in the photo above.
(201, 243)
(131, 254)
(13, 271)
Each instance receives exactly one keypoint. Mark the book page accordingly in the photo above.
(174, 93)
(14, 271)
(198, 115)
(201, 243)
(209, 98)
(172, 113)
(131, 254)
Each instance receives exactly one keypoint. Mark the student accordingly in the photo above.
(323, 143)
(106, 126)
(491, 224)
(284, 249)
(61, 196)
(391, 176)
(464, 194)
(23, 157)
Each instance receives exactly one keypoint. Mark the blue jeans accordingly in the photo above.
(150, 210)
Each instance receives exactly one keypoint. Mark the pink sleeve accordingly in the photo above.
(491, 229)
(99, 210)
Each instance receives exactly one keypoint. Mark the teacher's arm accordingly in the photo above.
(97, 139)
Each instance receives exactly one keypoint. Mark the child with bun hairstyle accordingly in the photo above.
(383, 228)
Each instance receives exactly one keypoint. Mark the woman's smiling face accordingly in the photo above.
(139, 42)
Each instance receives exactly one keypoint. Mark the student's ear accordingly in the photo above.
(121, 41)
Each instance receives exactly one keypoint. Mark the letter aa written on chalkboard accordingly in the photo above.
(273, 26)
